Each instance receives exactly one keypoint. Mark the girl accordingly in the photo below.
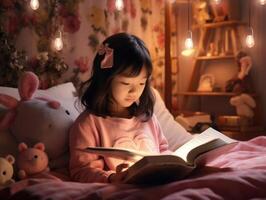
(118, 110)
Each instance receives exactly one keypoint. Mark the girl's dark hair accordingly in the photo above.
(130, 55)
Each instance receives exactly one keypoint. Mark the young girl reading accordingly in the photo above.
(118, 110)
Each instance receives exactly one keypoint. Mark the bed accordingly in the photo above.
(237, 171)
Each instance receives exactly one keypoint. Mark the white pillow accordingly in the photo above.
(64, 93)
(175, 134)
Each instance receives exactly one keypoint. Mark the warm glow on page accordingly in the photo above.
(200, 139)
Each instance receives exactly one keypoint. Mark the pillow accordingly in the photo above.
(175, 134)
(64, 93)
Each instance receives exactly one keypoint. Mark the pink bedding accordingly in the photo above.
(237, 172)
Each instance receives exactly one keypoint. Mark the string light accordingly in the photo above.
(189, 50)
(119, 4)
(34, 4)
(262, 2)
(58, 42)
(250, 41)
(189, 41)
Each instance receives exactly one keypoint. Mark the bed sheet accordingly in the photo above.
(236, 171)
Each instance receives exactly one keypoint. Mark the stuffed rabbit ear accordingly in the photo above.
(28, 84)
(7, 119)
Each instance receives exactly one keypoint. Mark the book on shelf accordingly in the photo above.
(162, 168)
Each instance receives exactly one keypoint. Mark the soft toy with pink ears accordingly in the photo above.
(31, 161)
(34, 119)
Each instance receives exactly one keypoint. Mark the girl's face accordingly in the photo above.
(127, 90)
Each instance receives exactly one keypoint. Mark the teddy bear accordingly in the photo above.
(31, 161)
(6, 170)
(34, 119)
(244, 104)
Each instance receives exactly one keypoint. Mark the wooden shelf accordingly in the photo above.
(215, 57)
(219, 24)
(229, 94)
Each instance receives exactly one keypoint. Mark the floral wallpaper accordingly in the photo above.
(26, 36)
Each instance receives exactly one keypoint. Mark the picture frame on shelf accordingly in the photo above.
(206, 83)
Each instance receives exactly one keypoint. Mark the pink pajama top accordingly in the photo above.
(91, 130)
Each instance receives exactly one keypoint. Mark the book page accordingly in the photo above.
(205, 137)
(121, 153)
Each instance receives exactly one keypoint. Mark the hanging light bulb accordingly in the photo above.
(34, 4)
(262, 2)
(217, 1)
(119, 4)
(58, 42)
(189, 41)
(250, 42)
(189, 50)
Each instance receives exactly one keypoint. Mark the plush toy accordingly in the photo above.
(6, 170)
(240, 83)
(244, 104)
(35, 119)
(31, 161)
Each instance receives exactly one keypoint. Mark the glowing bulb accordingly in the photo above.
(189, 43)
(58, 42)
(189, 50)
(262, 2)
(119, 4)
(250, 41)
(34, 4)
(217, 1)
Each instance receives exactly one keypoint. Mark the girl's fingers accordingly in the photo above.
(120, 167)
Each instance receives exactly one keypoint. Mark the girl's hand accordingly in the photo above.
(120, 175)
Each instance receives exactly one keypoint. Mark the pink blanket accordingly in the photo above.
(237, 172)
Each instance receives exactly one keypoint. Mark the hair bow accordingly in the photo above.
(108, 53)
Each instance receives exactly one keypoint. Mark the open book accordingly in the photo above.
(153, 168)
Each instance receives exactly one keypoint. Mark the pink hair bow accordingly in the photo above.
(108, 53)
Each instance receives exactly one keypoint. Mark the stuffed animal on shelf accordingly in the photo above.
(244, 104)
(6, 170)
(35, 119)
(240, 83)
(31, 161)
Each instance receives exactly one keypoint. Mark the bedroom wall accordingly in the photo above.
(93, 21)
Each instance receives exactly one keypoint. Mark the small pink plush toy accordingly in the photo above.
(31, 161)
